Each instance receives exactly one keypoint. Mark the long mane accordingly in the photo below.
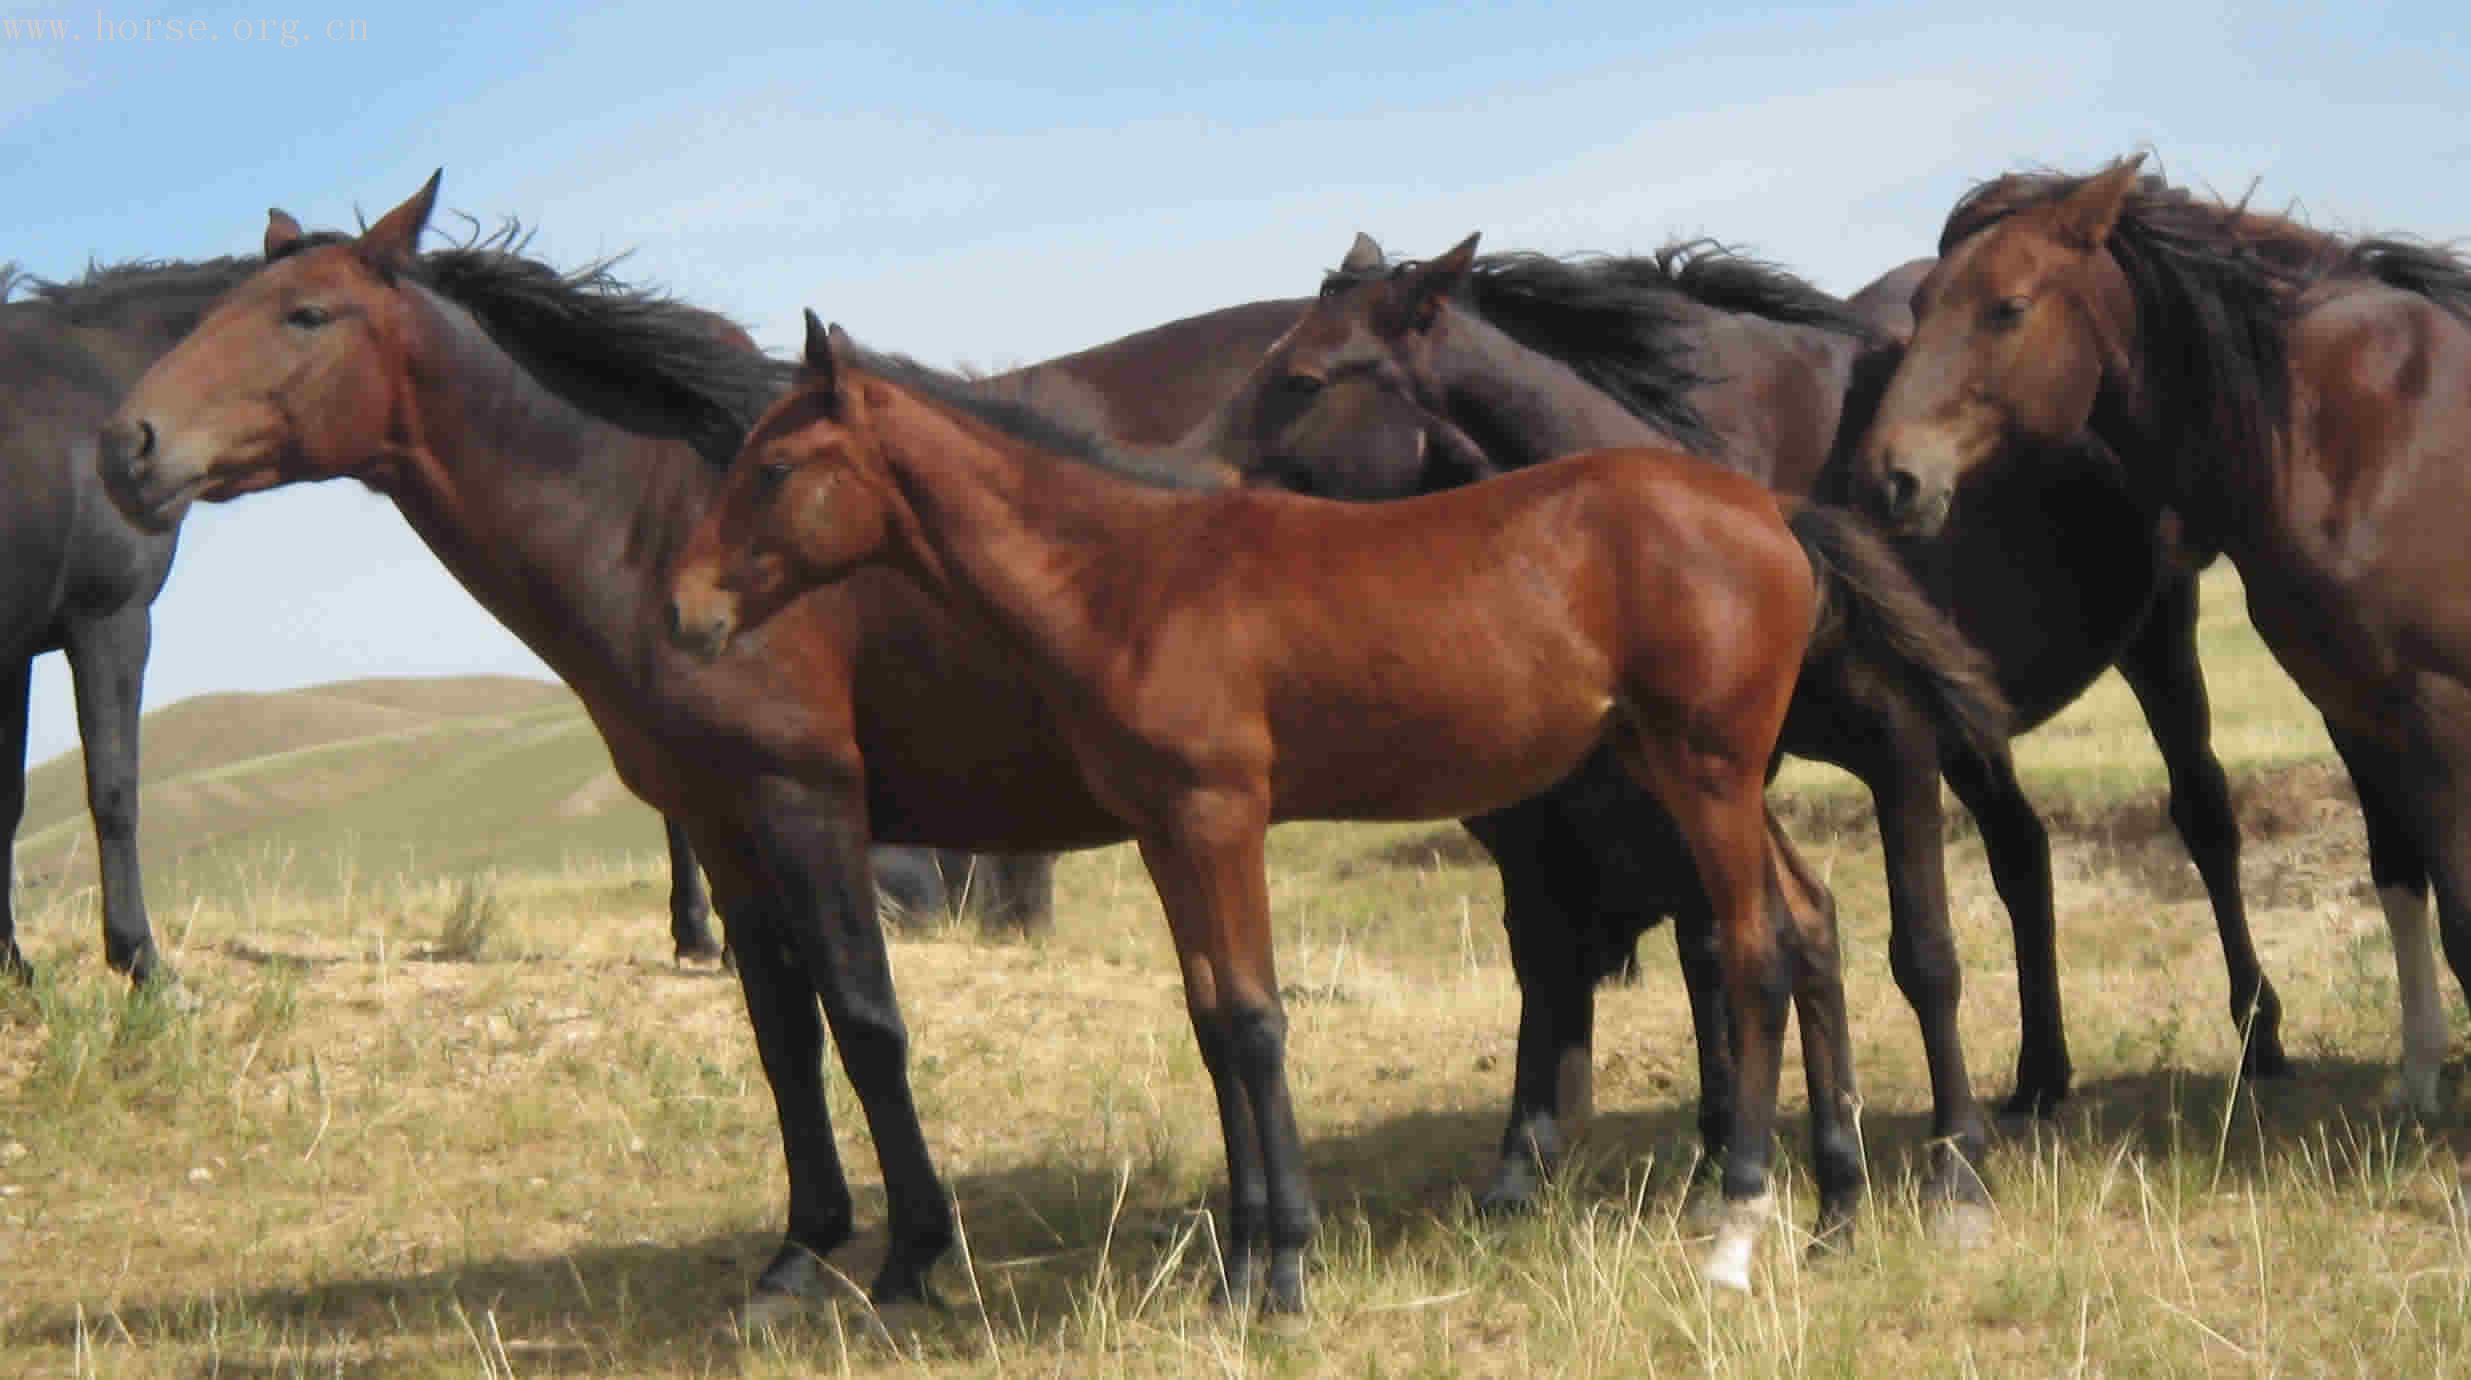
(1622, 322)
(633, 354)
(2218, 286)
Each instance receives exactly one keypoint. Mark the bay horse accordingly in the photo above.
(1219, 660)
(553, 437)
(2298, 401)
(1514, 359)
(82, 578)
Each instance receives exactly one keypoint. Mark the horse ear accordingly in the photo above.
(826, 358)
(2089, 213)
(281, 230)
(395, 239)
(818, 350)
(1429, 284)
(1364, 256)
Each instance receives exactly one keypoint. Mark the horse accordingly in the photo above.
(1218, 660)
(87, 579)
(552, 437)
(2296, 400)
(1515, 359)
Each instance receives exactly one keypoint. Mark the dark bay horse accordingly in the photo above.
(2298, 401)
(1514, 359)
(1217, 661)
(553, 438)
(84, 577)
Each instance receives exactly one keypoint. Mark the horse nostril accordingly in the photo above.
(145, 440)
(677, 620)
(1903, 490)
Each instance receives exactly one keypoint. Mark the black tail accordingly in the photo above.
(1871, 610)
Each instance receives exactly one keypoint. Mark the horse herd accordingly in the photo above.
(1618, 531)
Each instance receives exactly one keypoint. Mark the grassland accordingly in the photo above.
(445, 1109)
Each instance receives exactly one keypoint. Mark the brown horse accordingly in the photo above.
(1510, 360)
(554, 438)
(1218, 661)
(2298, 401)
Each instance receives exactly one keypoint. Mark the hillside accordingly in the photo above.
(325, 785)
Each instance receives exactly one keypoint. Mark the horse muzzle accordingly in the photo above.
(146, 489)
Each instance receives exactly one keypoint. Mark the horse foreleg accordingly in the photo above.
(815, 851)
(2161, 666)
(16, 677)
(107, 664)
(2018, 849)
(1208, 865)
(1805, 916)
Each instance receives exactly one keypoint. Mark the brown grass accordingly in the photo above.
(559, 1159)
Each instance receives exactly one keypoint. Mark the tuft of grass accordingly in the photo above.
(474, 923)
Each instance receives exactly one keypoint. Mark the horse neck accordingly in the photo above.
(2218, 487)
(556, 520)
(1522, 406)
(141, 328)
(1023, 542)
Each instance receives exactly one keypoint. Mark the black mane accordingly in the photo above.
(1034, 422)
(634, 355)
(1620, 321)
(2217, 287)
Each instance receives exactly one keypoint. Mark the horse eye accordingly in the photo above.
(1300, 385)
(770, 477)
(2010, 310)
(308, 318)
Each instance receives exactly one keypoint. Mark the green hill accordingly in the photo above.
(362, 779)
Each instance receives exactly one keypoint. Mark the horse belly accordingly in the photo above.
(1404, 763)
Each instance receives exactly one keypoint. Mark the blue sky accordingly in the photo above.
(996, 184)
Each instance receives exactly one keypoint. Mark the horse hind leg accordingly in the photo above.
(1720, 809)
(2400, 871)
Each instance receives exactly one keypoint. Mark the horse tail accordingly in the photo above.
(1871, 611)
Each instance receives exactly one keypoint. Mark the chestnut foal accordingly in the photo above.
(1219, 661)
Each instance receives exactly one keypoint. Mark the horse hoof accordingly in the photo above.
(1514, 1191)
(1960, 1226)
(1727, 1266)
(165, 986)
(700, 955)
(1703, 1209)
(764, 1312)
(2414, 1096)
(13, 964)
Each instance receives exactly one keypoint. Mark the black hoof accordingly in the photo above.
(2034, 1101)
(13, 964)
(705, 951)
(1285, 1296)
(905, 1281)
(2264, 1060)
(1234, 1291)
(1516, 1191)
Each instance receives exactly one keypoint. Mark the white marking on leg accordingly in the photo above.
(1728, 1261)
(2423, 1006)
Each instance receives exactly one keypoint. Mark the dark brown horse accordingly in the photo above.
(2298, 401)
(1514, 359)
(553, 438)
(1218, 661)
(83, 579)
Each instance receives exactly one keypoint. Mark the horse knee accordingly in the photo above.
(113, 806)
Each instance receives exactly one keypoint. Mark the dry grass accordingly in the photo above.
(559, 1159)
